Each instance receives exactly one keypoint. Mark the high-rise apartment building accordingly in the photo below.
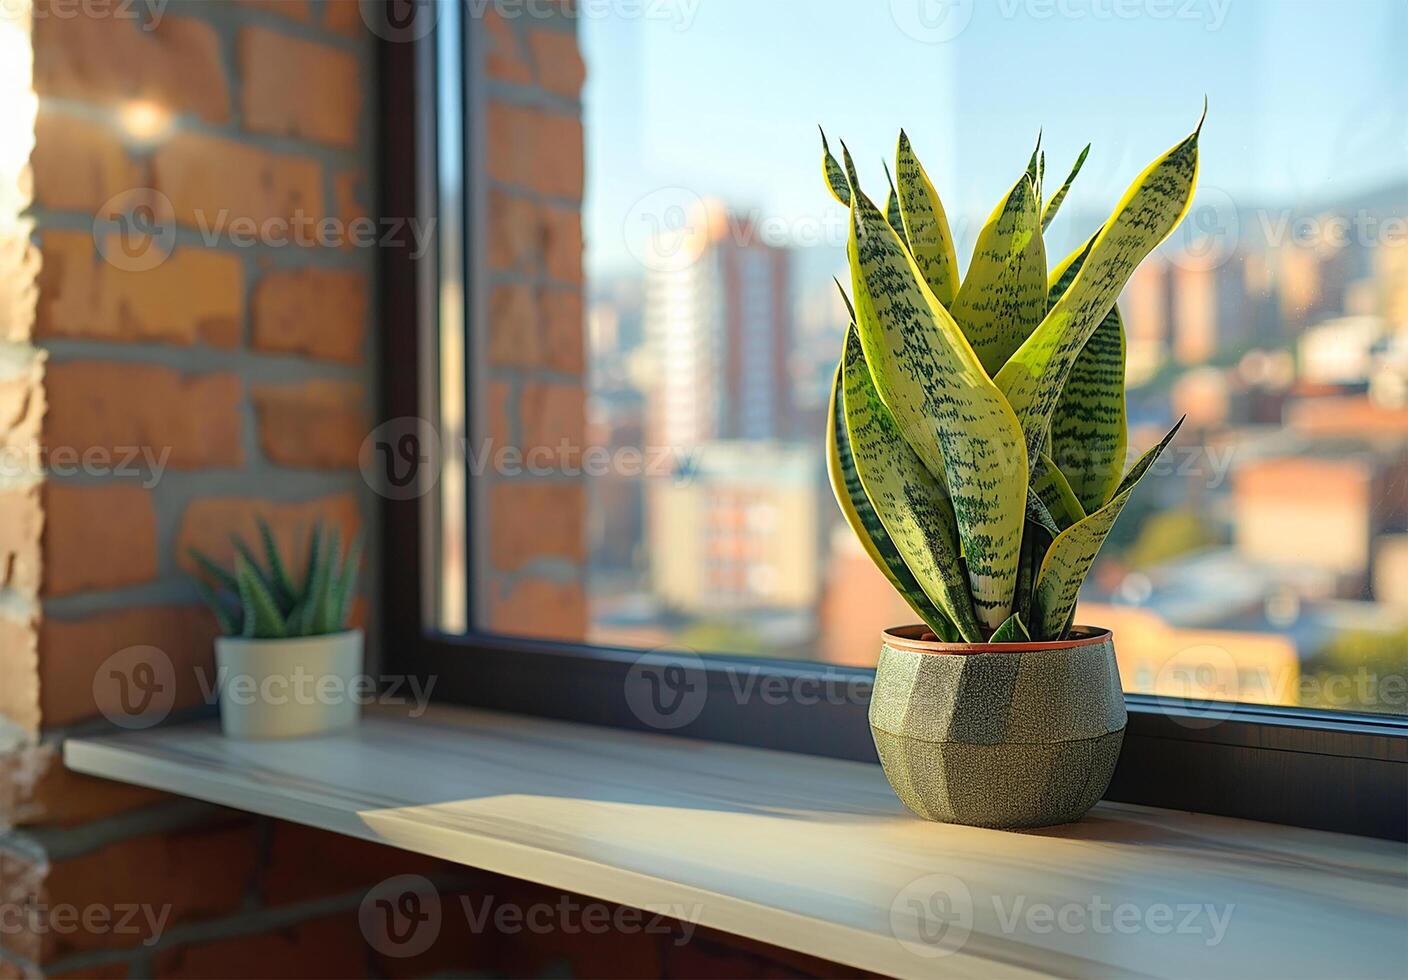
(718, 326)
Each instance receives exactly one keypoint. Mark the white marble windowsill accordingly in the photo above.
(811, 854)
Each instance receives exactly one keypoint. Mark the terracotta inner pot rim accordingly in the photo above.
(907, 638)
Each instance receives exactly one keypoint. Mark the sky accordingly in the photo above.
(691, 99)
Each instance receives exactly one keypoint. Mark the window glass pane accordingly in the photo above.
(1264, 560)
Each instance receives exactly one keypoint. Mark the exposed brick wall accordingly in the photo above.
(533, 345)
(244, 370)
(233, 358)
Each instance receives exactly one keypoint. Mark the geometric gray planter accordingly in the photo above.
(998, 734)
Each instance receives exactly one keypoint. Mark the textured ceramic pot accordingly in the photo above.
(306, 685)
(998, 734)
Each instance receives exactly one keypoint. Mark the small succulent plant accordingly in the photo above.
(977, 433)
(263, 603)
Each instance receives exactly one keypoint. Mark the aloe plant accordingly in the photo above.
(261, 601)
(977, 429)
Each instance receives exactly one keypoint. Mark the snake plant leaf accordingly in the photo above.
(912, 505)
(283, 587)
(1089, 428)
(892, 207)
(1153, 206)
(1034, 168)
(861, 516)
(1089, 431)
(926, 224)
(1052, 206)
(225, 616)
(1003, 296)
(1012, 631)
(946, 406)
(1050, 486)
(262, 618)
(835, 176)
(1070, 556)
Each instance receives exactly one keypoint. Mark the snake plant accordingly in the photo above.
(262, 602)
(977, 429)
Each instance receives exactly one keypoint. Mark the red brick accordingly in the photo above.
(209, 524)
(195, 872)
(21, 526)
(304, 863)
(344, 17)
(113, 61)
(559, 62)
(551, 416)
(317, 424)
(561, 230)
(536, 520)
(19, 669)
(212, 182)
(541, 608)
(514, 337)
(112, 406)
(194, 295)
(298, 88)
(36, 789)
(71, 652)
(515, 235)
(531, 328)
(78, 163)
(564, 330)
(537, 149)
(97, 537)
(318, 312)
(331, 947)
(496, 396)
(292, 9)
(505, 57)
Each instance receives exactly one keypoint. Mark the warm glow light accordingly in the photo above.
(145, 121)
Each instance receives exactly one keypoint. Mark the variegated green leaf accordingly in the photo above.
(1089, 432)
(1089, 429)
(892, 207)
(860, 515)
(946, 405)
(1012, 631)
(926, 225)
(1003, 295)
(835, 176)
(1070, 556)
(1153, 206)
(912, 505)
(1052, 488)
(1052, 206)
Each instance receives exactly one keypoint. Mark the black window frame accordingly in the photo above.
(1338, 771)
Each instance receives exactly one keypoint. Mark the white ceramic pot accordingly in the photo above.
(307, 685)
